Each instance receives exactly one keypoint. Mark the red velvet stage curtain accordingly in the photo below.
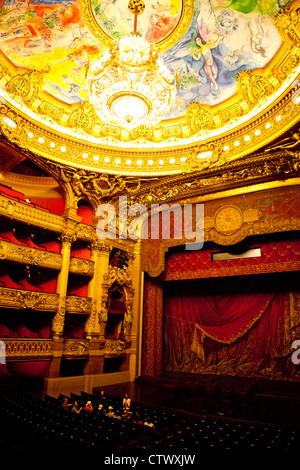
(239, 334)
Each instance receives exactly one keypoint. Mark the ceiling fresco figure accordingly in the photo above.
(223, 39)
(162, 22)
(158, 20)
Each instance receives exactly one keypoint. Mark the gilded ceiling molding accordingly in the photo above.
(264, 105)
(288, 23)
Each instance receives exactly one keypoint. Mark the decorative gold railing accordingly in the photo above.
(75, 304)
(22, 299)
(24, 348)
(82, 266)
(76, 348)
(26, 255)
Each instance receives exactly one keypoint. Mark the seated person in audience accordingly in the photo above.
(118, 415)
(137, 419)
(127, 415)
(149, 423)
(126, 402)
(102, 395)
(89, 407)
(65, 405)
(110, 412)
(75, 408)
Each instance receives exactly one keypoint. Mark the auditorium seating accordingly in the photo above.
(32, 420)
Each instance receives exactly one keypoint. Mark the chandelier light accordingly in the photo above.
(130, 85)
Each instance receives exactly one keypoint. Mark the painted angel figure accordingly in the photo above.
(196, 50)
(207, 40)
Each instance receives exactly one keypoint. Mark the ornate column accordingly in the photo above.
(137, 310)
(67, 238)
(96, 323)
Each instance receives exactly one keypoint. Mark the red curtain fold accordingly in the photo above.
(221, 318)
(205, 324)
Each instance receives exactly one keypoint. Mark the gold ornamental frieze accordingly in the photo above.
(118, 275)
(76, 304)
(265, 104)
(33, 256)
(85, 232)
(82, 266)
(114, 347)
(18, 349)
(275, 163)
(22, 299)
(76, 348)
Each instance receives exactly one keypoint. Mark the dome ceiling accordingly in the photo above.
(237, 64)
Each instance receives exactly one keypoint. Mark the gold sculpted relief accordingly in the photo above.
(82, 266)
(228, 220)
(123, 278)
(59, 318)
(27, 255)
(21, 299)
(76, 304)
(75, 348)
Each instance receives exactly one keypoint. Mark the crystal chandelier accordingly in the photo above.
(130, 85)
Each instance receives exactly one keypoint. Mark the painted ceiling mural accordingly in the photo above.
(157, 21)
(224, 37)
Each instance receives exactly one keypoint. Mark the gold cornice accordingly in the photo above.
(260, 169)
(264, 97)
(28, 180)
(244, 190)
